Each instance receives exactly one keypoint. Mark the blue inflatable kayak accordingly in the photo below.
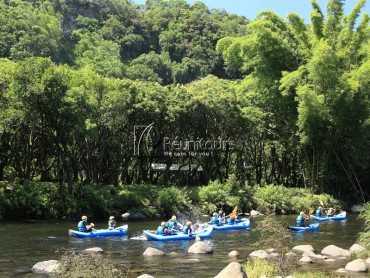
(237, 220)
(119, 231)
(205, 233)
(338, 217)
(311, 227)
(237, 226)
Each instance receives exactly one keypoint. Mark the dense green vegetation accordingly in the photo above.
(47, 200)
(258, 268)
(77, 76)
(364, 238)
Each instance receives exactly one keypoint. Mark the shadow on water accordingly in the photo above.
(25, 243)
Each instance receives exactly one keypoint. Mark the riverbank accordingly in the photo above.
(261, 263)
(41, 200)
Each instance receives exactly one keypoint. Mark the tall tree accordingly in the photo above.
(333, 132)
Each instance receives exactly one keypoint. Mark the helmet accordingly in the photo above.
(173, 218)
(188, 223)
(84, 217)
(301, 213)
(111, 218)
(220, 212)
(163, 224)
(214, 214)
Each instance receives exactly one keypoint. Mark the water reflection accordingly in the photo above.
(298, 235)
(159, 244)
(80, 240)
(117, 238)
(302, 235)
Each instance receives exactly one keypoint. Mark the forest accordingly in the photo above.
(290, 98)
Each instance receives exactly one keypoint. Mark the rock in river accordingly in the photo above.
(233, 270)
(45, 266)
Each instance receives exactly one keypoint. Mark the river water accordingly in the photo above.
(24, 243)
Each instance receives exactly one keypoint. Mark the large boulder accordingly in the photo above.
(358, 265)
(45, 266)
(233, 254)
(316, 256)
(341, 270)
(200, 247)
(367, 261)
(133, 216)
(94, 250)
(261, 254)
(306, 259)
(274, 255)
(233, 270)
(355, 248)
(309, 254)
(303, 248)
(335, 251)
(255, 213)
(150, 251)
(145, 276)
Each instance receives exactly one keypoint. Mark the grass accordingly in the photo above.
(259, 268)
(86, 265)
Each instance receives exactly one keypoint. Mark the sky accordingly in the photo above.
(250, 8)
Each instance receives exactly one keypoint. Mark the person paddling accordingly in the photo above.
(188, 229)
(318, 212)
(214, 219)
(163, 229)
(330, 212)
(301, 219)
(112, 223)
(83, 226)
(173, 224)
(231, 220)
(221, 217)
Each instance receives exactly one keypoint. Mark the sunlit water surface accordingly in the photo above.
(24, 243)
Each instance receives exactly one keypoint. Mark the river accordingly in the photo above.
(24, 243)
